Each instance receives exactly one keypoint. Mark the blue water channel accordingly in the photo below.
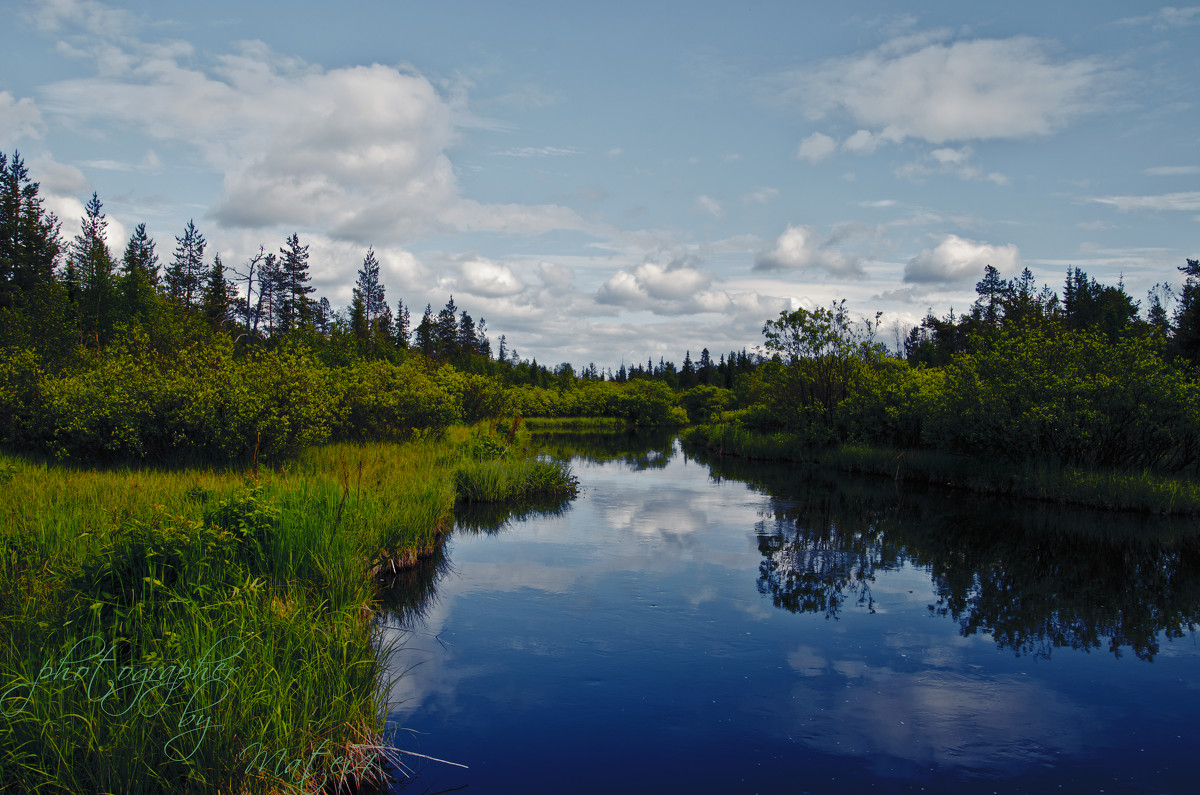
(707, 626)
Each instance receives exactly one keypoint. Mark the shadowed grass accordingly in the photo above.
(1113, 490)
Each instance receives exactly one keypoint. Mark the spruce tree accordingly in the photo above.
(382, 329)
(270, 295)
(29, 235)
(446, 331)
(483, 346)
(466, 333)
(295, 308)
(687, 376)
(93, 269)
(219, 296)
(184, 277)
(34, 309)
(359, 326)
(403, 329)
(1186, 340)
(324, 318)
(370, 288)
(139, 275)
(425, 335)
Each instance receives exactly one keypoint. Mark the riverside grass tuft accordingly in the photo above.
(1139, 491)
(201, 631)
(550, 424)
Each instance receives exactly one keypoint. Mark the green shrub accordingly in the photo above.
(382, 401)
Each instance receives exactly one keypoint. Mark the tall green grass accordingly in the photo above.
(109, 575)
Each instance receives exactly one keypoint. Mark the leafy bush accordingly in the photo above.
(1071, 397)
(20, 395)
(477, 397)
(704, 401)
(381, 401)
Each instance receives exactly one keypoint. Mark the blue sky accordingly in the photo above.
(623, 181)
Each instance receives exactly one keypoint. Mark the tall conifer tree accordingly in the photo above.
(446, 330)
(139, 275)
(184, 277)
(295, 308)
(219, 296)
(93, 269)
(369, 286)
(403, 329)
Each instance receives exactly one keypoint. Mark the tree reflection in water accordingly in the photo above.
(813, 571)
(639, 449)
(1033, 576)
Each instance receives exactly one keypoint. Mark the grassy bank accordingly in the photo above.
(577, 424)
(1111, 490)
(206, 630)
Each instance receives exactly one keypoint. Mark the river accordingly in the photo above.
(716, 626)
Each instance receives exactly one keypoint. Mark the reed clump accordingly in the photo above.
(199, 630)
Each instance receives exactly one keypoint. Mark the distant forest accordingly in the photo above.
(107, 358)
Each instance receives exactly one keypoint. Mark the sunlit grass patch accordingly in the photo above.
(142, 571)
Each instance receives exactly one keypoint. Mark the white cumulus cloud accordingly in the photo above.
(481, 276)
(939, 92)
(674, 288)
(958, 259)
(357, 152)
(816, 148)
(952, 161)
(19, 118)
(803, 247)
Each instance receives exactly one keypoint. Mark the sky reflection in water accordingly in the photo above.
(689, 626)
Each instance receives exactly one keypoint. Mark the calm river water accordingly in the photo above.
(697, 626)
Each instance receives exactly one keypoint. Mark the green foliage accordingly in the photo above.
(640, 402)
(891, 404)
(380, 401)
(497, 469)
(20, 396)
(188, 558)
(825, 355)
(129, 401)
(477, 397)
(702, 402)
(1072, 398)
(250, 520)
(103, 411)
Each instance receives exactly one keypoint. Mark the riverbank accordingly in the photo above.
(1142, 491)
(598, 424)
(213, 630)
